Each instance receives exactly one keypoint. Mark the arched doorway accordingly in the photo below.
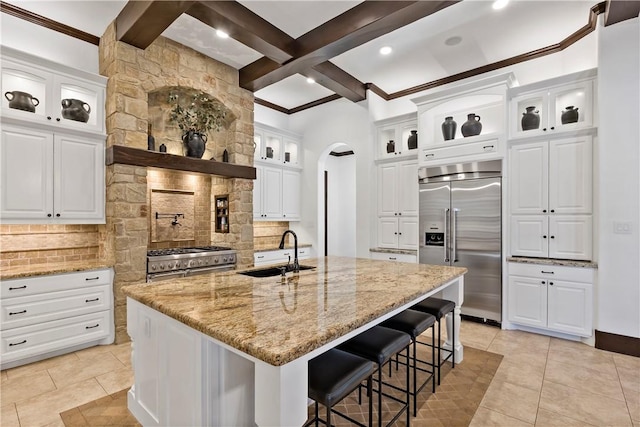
(337, 201)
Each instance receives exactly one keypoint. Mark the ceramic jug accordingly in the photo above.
(569, 115)
(22, 101)
(449, 128)
(75, 109)
(530, 119)
(195, 143)
(472, 126)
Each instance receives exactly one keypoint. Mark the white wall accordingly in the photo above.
(618, 309)
(341, 223)
(39, 41)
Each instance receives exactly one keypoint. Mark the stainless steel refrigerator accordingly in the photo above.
(460, 225)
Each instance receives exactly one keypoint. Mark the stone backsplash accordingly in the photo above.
(267, 234)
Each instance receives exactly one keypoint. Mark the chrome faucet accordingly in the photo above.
(296, 266)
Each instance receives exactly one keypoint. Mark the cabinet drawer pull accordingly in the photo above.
(91, 327)
(260, 257)
(429, 155)
(392, 258)
(18, 287)
(546, 272)
(92, 300)
(17, 312)
(487, 146)
(17, 343)
(91, 278)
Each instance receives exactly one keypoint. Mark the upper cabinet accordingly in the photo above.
(42, 92)
(554, 106)
(276, 146)
(397, 137)
(464, 122)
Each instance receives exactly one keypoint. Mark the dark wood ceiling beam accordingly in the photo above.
(337, 80)
(363, 23)
(271, 105)
(140, 22)
(621, 10)
(314, 103)
(246, 27)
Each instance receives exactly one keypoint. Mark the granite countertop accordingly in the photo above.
(550, 261)
(277, 321)
(395, 251)
(32, 270)
(260, 248)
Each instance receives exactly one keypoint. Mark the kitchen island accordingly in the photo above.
(229, 349)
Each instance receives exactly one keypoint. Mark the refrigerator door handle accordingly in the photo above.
(446, 235)
(454, 242)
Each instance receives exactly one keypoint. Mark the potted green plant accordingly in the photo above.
(196, 115)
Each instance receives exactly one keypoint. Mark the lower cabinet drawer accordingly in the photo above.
(32, 309)
(394, 257)
(577, 274)
(28, 341)
(463, 149)
(52, 283)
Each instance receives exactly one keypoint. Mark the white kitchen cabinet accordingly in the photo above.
(291, 183)
(51, 178)
(552, 177)
(555, 298)
(276, 146)
(267, 193)
(398, 188)
(43, 92)
(543, 236)
(397, 137)
(280, 256)
(49, 315)
(399, 233)
(549, 99)
(386, 256)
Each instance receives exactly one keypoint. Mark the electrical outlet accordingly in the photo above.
(621, 227)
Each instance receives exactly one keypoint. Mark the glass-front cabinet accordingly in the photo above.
(564, 104)
(397, 137)
(36, 90)
(276, 146)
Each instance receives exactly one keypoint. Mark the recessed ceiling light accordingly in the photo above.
(452, 41)
(385, 50)
(499, 4)
(222, 34)
(310, 80)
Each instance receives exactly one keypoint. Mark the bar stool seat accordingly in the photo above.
(380, 344)
(439, 308)
(333, 375)
(415, 323)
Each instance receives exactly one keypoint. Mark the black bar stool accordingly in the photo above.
(380, 344)
(439, 308)
(334, 375)
(414, 323)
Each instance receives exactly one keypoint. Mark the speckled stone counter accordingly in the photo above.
(547, 261)
(276, 248)
(277, 321)
(394, 251)
(33, 270)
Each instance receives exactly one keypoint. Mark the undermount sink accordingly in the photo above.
(272, 271)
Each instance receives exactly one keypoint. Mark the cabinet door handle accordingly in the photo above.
(400, 234)
(544, 237)
(12, 313)
(396, 233)
(544, 211)
(551, 283)
(91, 278)
(58, 215)
(91, 327)
(57, 119)
(49, 215)
(553, 210)
(395, 213)
(92, 300)
(546, 272)
(399, 213)
(18, 287)
(543, 282)
(544, 129)
(552, 127)
(17, 343)
(553, 237)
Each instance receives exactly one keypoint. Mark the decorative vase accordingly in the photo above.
(287, 156)
(472, 126)
(75, 109)
(530, 119)
(225, 156)
(569, 115)
(391, 146)
(195, 143)
(151, 141)
(22, 101)
(449, 128)
(269, 153)
(163, 148)
(412, 141)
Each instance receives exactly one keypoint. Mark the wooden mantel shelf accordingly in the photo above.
(118, 154)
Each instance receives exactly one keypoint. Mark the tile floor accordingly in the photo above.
(541, 381)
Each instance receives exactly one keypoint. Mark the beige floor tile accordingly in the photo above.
(512, 400)
(633, 404)
(41, 365)
(477, 335)
(551, 419)
(123, 353)
(9, 416)
(116, 380)
(90, 352)
(626, 361)
(630, 378)
(486, 417)
(533, 340)
(583, 405)
(45, 409)
(25, 387)
(582, 377)
(521, 354)
(84, 368)
(3, 375)
(525, 375)
(572, 352)
(57, 423)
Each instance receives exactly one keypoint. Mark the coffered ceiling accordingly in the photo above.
(277, 44)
